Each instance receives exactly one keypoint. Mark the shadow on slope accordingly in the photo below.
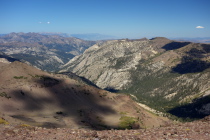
(192, 111)
(111, 89)
(54, 98)
(8, 58)
(175, 45)
(194, 60)
(88, 82)
(79, 78)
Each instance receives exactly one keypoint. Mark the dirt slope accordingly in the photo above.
(31, 96)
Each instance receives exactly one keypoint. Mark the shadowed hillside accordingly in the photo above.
(38, 98)
(7, 58)
(194, 60)
(195, 110)
(175, 45)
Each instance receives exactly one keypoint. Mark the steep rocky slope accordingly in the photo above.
(37, 98)
(46, 52)
(167, 75)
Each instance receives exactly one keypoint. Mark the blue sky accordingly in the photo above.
(121, 18)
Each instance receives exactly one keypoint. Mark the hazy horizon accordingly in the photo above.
(119, 18)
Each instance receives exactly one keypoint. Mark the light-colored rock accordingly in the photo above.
(108, 65)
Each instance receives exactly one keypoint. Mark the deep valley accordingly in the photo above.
(56, 83)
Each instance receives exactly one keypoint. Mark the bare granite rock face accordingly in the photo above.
(168, 72)
(108, 65)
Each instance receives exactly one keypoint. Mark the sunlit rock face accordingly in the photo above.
(160, 72)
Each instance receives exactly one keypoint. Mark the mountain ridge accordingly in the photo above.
(46, 52)
(171, 73)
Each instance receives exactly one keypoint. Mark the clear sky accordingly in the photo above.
(121, 18)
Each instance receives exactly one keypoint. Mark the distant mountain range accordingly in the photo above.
(97, 36)
(94, 36)
(55, 33)
(46, 52)
(196, 40)
(90, 36)
(3, 34)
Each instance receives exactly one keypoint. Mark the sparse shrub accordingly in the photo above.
(87, 93)
(36, 76)
(46, 81)
(4, 94)
(25, 125)
(3, 121)
(59, 112)
(127, 122)
(99, 119)
(20, 77)
(123, 113)
(104, 94)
